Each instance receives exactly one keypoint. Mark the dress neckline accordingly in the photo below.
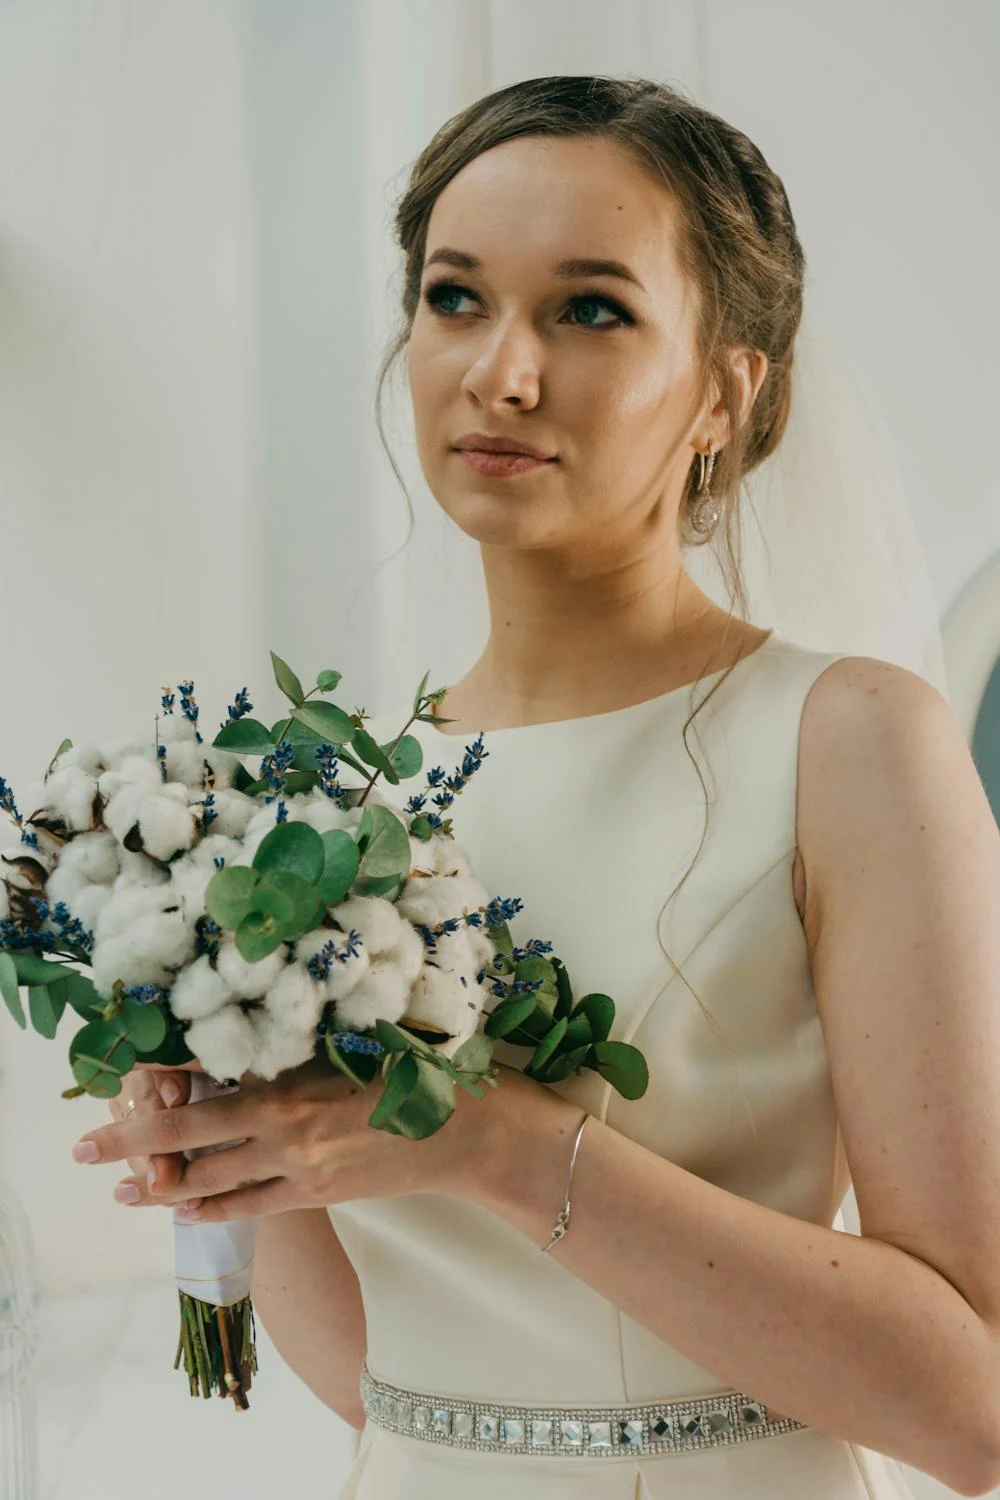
(436, 734)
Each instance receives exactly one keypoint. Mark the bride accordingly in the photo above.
(792, 885)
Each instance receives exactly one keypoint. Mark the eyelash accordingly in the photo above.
(623, 316)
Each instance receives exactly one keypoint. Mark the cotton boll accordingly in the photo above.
(190, 880)
(135, 771)
(185, 763)
(199, 991)
(381, 994)
(26, 869)
(148, 953)
(449, 858)
(376, 919)
(93, 857)
(225, 1043)
(87, 757)
(224, 764)
(114, 752)
(131, 904)
(249, 981)
(347, 972)
(174, 729)
(233, 811)
(122, 808)
(431, 900)
(88, 904)
(295, 999)
(408, 953)
(165, 827)
(278, 1047)
(439, 998)
(215, 845)
(422, 857)
(320, 812)
(70, 795)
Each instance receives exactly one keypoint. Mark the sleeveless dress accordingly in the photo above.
(592, 821)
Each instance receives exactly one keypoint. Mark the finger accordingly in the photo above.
(211, 1122)
(277, 1196)
(174, 1087)
(206, 1176)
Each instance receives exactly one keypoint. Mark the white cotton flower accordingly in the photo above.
(87, 905)
(295, 999)
(233, 811)
(408, 953)
(139, 872)
(87, 757)
(447, 999)
(225, 1043)
(26, 868)
(278, 1047)
(374, 917)
(422, 857)
(429, 900)
(114, 752)
(91, 857)
(381, 994)
(249, 981)
(69, 794)
(185, 764)
(165, 826)
(136, 772)
(174, 729)
(199, 991)
(346, 972)
(449, 858)
(225, 764)
(190, 878)
(155, 940)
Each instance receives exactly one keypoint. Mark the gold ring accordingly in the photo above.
(131, 1107)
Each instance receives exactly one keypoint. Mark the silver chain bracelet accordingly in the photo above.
(562, 1219)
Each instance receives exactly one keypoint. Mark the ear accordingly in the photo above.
(749, 366)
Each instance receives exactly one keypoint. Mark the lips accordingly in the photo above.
(482, 442)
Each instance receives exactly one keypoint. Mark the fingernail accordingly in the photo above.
(86, 1151)
(187, 1215)
(170, 1093)
(152, 1173)
(127, 1192)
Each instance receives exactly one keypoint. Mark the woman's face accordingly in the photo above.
(590, 367)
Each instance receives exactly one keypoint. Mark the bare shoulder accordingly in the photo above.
(864, 722)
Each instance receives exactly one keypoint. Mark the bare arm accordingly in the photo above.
(306, 1293)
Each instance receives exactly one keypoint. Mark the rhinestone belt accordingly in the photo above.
(571, 1431)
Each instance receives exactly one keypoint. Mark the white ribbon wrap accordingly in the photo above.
(214, 1262)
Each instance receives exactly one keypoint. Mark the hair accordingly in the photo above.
(737, 244)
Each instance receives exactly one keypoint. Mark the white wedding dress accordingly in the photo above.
(591, 822)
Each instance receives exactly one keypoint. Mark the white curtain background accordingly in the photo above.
(197, 282)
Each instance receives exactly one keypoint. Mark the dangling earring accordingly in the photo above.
(704, 511)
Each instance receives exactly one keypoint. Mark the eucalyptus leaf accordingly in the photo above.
(336, 727)
(45, 1007)
(144, 1025)
(245, 737)
(408, 757)
(9, 990)
(373, 755)
(624, 1067)
(257, 936)
(562, 1065)
(547, 1046)
(564, 989)
(32, 969)
(295, 847)
(83, 997)
(360, 1067)
(474, 1055)
(386, 856)
(341, 862)
(427, 1106)
(328, 680)
(600, 1012)
(227, 895)
(578, 1033)
(509, 1014)
(286, 679)
(281, 905)
(401, 1076)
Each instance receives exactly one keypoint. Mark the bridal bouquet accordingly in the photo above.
(185, 908)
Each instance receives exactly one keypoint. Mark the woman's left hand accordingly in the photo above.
(305, 1142)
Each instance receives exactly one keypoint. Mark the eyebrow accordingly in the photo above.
(567, 269)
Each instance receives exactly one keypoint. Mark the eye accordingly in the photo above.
(437, 293)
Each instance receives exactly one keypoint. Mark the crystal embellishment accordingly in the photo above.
(607, 1433)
